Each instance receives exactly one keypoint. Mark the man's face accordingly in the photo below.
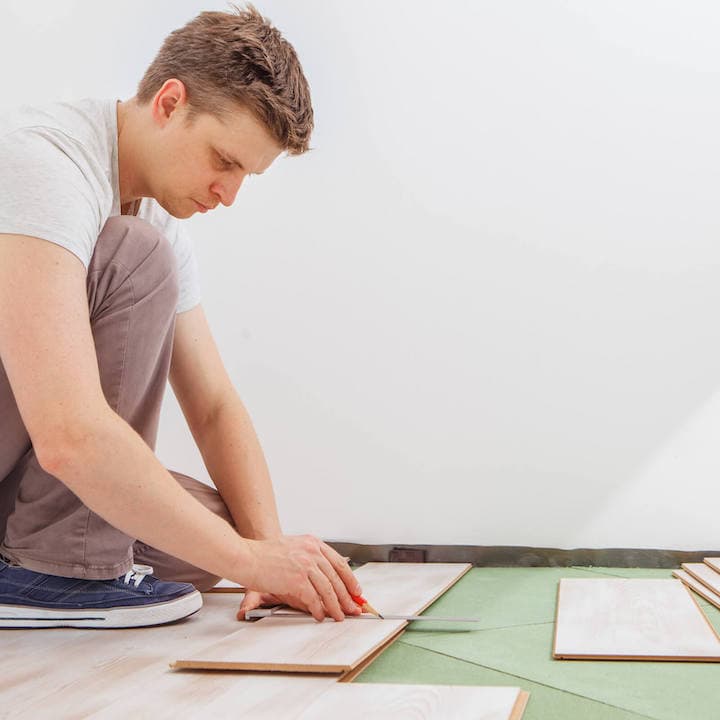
(202, 163)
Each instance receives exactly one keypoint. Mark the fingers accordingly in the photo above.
(251, 601)
(326, 592)
(351, 586)
(308, 574)
(348, 605)
(311, 599)
(342, 568)
(335, 582)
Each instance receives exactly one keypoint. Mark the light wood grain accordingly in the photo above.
(301, 697)
(65, 672)
(303, 645)
(713, 562)
(407, 588)
(297, 645)
(631, 619)
(219, 696)
(414, 702)
(705, 574)
(698, 587)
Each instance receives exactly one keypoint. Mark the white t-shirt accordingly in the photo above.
(59, 182)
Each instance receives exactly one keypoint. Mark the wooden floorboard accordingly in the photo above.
(300, 644)
(294, 697)
(631, 619)
(65, 672)
(414, 702)
(219, 695)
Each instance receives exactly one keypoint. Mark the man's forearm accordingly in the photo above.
(113, 471)
(236, 463)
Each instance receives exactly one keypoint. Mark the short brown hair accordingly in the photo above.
(226, 57)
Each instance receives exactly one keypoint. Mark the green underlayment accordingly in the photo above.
(513, 646)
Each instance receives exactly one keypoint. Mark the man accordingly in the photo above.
(99, 304)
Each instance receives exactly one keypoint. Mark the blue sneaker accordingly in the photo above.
(35, 600)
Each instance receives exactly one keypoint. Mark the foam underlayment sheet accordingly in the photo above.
(631, 619)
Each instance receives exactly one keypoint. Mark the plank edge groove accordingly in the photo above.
(259, 667)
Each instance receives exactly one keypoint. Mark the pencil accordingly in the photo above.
(365, 606)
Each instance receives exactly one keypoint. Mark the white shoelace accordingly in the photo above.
(138, 574)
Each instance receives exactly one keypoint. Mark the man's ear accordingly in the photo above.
(170, 98)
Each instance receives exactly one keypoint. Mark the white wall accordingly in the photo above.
(485, 308)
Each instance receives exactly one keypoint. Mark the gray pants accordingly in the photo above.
(132, 290)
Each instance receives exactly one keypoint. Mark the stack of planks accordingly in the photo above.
(703, 578)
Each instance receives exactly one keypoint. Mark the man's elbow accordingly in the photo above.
(59, 447)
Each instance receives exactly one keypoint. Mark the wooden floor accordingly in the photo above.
(69, 673)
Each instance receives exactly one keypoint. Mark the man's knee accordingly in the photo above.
(134, 248)
(205, 494)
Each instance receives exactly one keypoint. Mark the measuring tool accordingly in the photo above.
(282, 612)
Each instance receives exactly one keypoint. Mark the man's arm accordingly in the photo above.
(47, 351)
(222, 428)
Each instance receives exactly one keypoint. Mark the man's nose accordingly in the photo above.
(227, 189)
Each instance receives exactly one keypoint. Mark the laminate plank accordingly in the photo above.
(280, 697)
(219, 696)
(713, 562)
(705, 574)
(407, 588)
(698, 587)
(631, 619)
(416, 702)
(295, 645)
(302, 645)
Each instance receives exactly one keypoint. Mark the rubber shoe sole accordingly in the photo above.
(27, 616)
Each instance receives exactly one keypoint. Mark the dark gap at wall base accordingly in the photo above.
(520, 556)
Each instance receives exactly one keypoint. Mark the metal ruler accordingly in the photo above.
(282, 612)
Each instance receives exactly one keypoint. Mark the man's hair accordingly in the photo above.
(226, 58)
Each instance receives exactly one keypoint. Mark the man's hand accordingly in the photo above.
(302, 572)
